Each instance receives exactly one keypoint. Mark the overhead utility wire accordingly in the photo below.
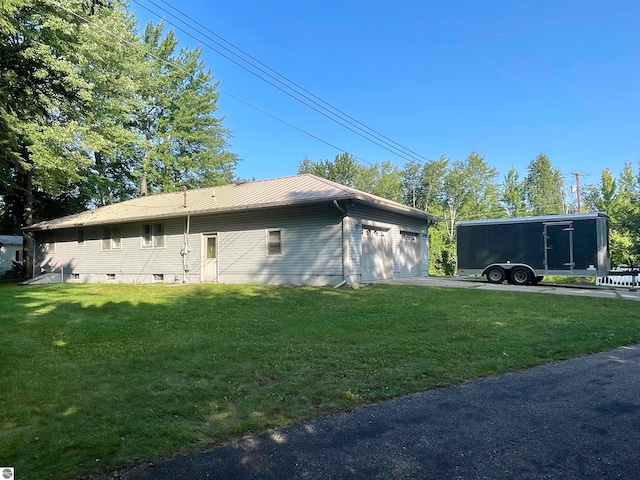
(286, 79)
(373, 140)
(178, 67)
(366, 135)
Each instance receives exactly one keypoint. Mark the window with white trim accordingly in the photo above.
(274, 242)
(153, 235)
(111, 239)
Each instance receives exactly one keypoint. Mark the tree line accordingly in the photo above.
(94, 110)
(471, 189)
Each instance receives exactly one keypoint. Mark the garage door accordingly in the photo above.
(409, 254)
(377, 254)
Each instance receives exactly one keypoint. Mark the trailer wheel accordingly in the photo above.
(521, 276)
(496, 275)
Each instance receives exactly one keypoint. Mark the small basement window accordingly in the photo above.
(111, 276)
(158, 277)
(75, 276)
(274, 242)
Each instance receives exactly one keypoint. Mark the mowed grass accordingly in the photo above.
(100, 377)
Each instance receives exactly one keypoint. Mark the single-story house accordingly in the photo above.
(302, 230)
(10, 250)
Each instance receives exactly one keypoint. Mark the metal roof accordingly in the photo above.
(10, 240)
(284, 191)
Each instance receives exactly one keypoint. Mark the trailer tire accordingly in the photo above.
(496, 275)
(521, 276)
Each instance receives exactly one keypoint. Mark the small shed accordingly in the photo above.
(10, 250)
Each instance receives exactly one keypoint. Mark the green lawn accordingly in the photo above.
(98, 377)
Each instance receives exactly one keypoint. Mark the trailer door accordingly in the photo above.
(558, 245)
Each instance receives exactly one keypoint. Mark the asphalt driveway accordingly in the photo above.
(577, 419)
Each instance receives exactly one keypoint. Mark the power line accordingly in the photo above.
(178, 67)
(340, 121)
(287, 80)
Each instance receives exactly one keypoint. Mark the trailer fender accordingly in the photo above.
(525, 274)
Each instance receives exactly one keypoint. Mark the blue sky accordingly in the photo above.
(507, 79)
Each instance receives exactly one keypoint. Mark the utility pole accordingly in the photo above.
(578, 175)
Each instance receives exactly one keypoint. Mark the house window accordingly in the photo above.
(158, 277)
(211, 247)
(50, 242)
(274, 242)
(111, 276)
(80, 238)
(153, 235)
(75, 276)
(18, 255)
(111, 239)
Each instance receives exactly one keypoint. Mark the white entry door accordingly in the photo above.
(210, 258)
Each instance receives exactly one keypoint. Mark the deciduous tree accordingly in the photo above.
(513, 194)
(543, 187)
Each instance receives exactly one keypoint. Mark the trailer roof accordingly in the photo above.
(539, 218)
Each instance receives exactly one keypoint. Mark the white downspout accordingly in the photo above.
(345, 243)
(185, 250)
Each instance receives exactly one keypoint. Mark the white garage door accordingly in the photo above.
(409, 254)
(377, 254)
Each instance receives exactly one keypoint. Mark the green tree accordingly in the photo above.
(630, 218)
(423, 183)
(87, 117)
(471, 191)
(619, 199)
(382, 179)
(42, 96)
(180, 141)
(344, 169)
(543, 187)
(513, 194)
(457, 191)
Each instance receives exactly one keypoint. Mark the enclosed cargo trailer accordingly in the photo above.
(522, 250)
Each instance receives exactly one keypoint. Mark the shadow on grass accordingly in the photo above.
(91, 382)
(97, 377)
